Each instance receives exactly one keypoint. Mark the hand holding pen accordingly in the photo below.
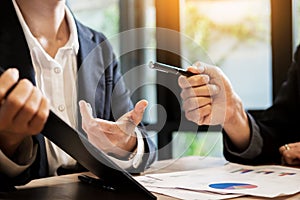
(203, 92)
(204, 95)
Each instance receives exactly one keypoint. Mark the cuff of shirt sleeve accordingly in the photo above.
(136, 158)
(23, 158)
(255, 145)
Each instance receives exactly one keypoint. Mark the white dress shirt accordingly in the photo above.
(50, 76)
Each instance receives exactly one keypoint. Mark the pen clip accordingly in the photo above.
(97, 182)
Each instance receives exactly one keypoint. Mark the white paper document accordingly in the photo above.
(264, 181)
(190, 194)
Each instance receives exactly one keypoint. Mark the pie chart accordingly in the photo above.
(232, 186)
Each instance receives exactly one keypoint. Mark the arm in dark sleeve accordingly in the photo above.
(18, 170)
(278, 125)
(251, 152)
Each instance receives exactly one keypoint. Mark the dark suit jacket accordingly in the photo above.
(280, 124)
(99, 82)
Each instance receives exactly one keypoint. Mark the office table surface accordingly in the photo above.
(67, 186)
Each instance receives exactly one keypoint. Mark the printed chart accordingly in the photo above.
(232, 186)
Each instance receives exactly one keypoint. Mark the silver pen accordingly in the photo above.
(170, 69)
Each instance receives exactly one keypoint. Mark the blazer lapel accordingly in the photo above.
(91, 79)
(14, 51)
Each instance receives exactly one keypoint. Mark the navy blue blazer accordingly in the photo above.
(99, 82)
(279, 124)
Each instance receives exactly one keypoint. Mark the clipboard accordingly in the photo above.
(93, 159)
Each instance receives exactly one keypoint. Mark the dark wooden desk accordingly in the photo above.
(68, 187)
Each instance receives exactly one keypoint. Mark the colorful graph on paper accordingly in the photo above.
(232, 186)
(264, 181)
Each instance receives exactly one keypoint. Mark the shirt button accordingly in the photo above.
(61, 108)
(57, 70)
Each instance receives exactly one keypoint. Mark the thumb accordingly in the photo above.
(199, 68)
(210, 70)
(85, 110)
(194, 70)
(138, 111)
(202, 67)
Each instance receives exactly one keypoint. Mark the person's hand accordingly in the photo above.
(290, 153)
(209, 99)
(23, 112)
(116, 138)
(207, 96)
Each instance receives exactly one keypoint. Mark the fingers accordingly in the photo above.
(203, 84)
(193, 81)
(138, 112)
(193, 103)
(199, 116)
(34, 111)
(125, 125)
(38, 121)
(91, 125)
(206, 74)
(198, 95)
(15, 101)
(195, 70)
(23, 110)
(7, 80)
(85, 110)
(284, 148)
(108, 135)
(291, 153)
(25, 107)
(202, 91)
(204, 68)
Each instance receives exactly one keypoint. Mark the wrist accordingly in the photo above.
(236, 124)
(125, 150)
(9, 143)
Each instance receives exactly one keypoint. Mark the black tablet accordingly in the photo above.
(92, 158)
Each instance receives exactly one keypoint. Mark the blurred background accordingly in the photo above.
(251, 41)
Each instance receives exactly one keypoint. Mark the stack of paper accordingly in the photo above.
(225, 181)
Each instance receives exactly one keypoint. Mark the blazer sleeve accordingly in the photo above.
(279, 124)
(7, 182)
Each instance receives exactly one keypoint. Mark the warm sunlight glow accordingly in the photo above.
(230, 11)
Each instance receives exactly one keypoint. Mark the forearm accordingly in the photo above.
(9, 143)
(22, 159)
